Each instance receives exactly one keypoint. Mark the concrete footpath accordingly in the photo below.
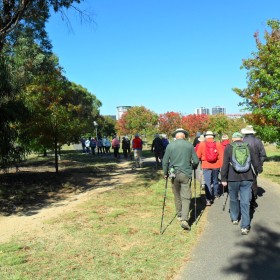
(222, 253)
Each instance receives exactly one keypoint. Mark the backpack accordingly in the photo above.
(211, 152)
(241, 158)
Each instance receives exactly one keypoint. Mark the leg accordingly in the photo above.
(207, 173)
(233, 188)
(177, 197)
(245, 192)
(215, 177)
(186, 194)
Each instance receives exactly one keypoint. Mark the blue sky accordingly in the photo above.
(166, 55)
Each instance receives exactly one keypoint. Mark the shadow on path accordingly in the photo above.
(259, 258)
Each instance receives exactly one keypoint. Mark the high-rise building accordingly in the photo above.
(202, 111)
(121, 110)
(218, 110)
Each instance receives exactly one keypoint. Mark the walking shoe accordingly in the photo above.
(245, 231)
(208, 203)
(185, 225)
(235, 222)
(179, 218)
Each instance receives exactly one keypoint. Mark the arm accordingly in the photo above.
(226, 165)
(195, 159)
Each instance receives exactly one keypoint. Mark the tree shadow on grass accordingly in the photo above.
(260, 260)
(36, 186)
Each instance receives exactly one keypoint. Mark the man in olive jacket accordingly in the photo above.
(181, 156)
(239, 185)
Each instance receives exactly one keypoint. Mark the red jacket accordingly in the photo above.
(137, 143)
(201, 153)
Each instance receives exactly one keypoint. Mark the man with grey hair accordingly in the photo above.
(259, 151)
(181, 156)
(239, 184)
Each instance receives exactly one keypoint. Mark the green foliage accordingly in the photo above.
(29, 17)
(137, 119)
(169, 122)
(12, 111)
(194, 123)
(262, 95)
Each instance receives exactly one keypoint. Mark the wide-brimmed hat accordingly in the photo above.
(180, 130)
(201, 138)
(209, 133)
(248, 130)
(237, 135)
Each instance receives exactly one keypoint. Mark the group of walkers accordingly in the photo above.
(233, 164)
(102, 147)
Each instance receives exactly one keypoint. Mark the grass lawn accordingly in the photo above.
(113, 235)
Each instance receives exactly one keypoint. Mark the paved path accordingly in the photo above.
(224, 254)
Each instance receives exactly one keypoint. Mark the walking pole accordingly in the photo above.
(224, 205)
(163, 205)
(194, 177)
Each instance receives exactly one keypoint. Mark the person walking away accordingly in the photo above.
(196, 139)
(137, 145)
(165, 142)
(259, 151)
(157, 149)
(239, 179)
(180, 155)
(116, 146)
(104, 145)
(107, 146)
(83, 141)
(87, 143)
(208, 152)
(92, 145)
(126, 146)
(99, 147)
(199, 170)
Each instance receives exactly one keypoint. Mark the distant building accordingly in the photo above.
(202, 111)
(121, 110)
(218, 110)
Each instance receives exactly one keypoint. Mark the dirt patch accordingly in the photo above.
(35, 197)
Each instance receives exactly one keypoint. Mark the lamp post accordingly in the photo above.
(95, 124)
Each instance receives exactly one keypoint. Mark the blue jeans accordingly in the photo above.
(243, 188)
(211, 176)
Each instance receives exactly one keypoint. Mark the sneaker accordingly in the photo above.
(202, 187)
(179, 218)
(208, 203)
(235, 222)
(245, 231)
(185, 225)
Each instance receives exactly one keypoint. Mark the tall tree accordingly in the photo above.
(137, 119)
(194, 123)
(262, 95)
(169, 121)
(30, 15)
(62, 110)
(12, 112)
